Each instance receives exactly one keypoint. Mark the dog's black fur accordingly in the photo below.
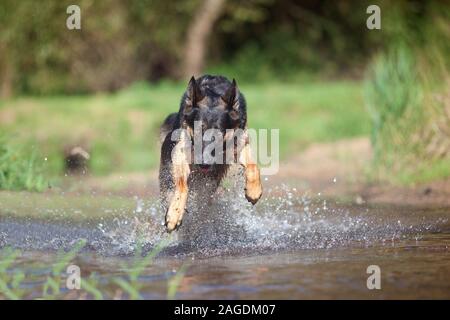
(218, 104)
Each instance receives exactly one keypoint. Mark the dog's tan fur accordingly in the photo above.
(213, 97)
(180, 175)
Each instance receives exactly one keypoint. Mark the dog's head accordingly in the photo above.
(214, 105)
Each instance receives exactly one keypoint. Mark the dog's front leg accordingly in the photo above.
(253, 187)
(180, 174)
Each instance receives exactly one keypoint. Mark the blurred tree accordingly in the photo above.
(122, 42)
(197, 36)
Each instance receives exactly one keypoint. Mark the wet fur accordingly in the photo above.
(199, 184)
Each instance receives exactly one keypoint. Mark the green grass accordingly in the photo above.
(408, 104)
(19, 168)
(121, 130)
(425, 172)
(25, 277)
(406, 92)
(64, 207)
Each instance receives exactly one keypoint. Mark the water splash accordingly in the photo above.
(292, 221)
(284, 219)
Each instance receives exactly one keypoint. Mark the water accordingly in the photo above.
(288, 246)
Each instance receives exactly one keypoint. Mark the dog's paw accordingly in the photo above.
(253, 192)
(253, 188)
(173, 226)
(174, 216)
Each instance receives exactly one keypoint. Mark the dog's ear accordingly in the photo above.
(231, 97)
(194, 95)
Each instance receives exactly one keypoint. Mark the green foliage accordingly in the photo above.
(175, 281)
(391, 90)
(19, 280)
(406, 93)
(119, 43)
(51, 287)
(265, 40)
(90, 285)
(9, 285)
(132, 285)
(122, 128)
(20, 170)
(144, 40)
(259, 42)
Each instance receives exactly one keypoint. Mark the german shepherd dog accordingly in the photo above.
(212, 102)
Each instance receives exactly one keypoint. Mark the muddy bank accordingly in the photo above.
(331, 170)
(339, 170)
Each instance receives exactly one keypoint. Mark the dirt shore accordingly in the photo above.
(339, 170)
(333, 170)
